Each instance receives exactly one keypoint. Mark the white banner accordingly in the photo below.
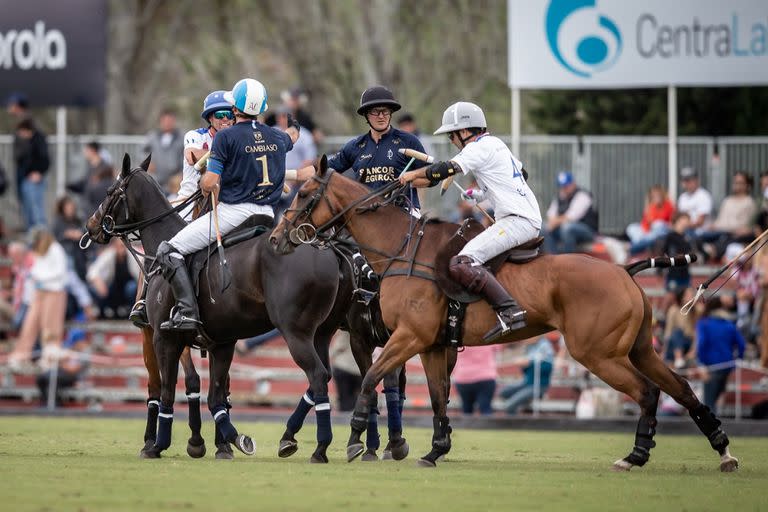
(589, 44)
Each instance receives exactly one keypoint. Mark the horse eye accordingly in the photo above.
(303, 194)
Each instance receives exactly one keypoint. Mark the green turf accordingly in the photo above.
(91, 465)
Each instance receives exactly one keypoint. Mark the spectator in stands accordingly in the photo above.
(167, 147)
(113, 279)
(407, 123)
(32, 163)
(747, 293)
(675, 243)
(96, 188)
(465, 210)
(22, 260)
(521, 393)
(679, 330)
(346, 374)
(695, 201)
(572, 217)
(303, 154)
(717, 340)
(735, 219)
(475, 377)
(68, 229)
(655, 223)
(96, 159)
(71, 366)
(761, 223)
(295, 100)
(45, 316)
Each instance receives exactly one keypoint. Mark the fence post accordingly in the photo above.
(53, 381)
(536, 384)
(738, 390)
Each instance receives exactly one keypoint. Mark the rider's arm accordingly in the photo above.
(210, 180)
(431, 175)
(192, 155)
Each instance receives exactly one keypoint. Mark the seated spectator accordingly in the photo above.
(71, 366)
(735, 219)
(22, 260)
(96, 188)
(475, 377)
(571, 218)
(657, 217)
(521, 393)
(45, 316)
(717, 340)
(113, 278)
(679, 330)
(761, 223)
(695, 201)
(747, 293)
(676, 243)
(346, 374)
(68, 229)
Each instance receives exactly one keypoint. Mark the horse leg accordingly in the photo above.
(168, 352)
(288, 444)
(196, 443)
(220, 360)
(397, 351)
(651, 365)
(397, 447)
(362, 351)
(153, 389)
(436, 365)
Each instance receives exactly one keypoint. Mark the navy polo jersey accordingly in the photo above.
(377, 165)
(250, 157)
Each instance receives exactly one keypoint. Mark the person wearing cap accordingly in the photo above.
(571, 217)
(695, 201)
(373, 158)
(502, 181)
(407, 122)
(246, 170)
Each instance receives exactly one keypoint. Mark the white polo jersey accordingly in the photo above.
(194, 139)
(499, 175)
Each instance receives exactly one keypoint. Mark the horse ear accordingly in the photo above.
(322, 165)
(145, 164)
(126, 165)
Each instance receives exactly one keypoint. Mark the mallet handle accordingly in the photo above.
(418, 155)
(203, 160)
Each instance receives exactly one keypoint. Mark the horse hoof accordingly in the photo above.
(148, 444)
(370, 456)
(224, 452)
(151, 453)
(196, 452)
(354, 451)
(399, 450)
(621, 466)
(287, 448)
(729, 465)
(245, 444)
(386, 455)
(424, 463)
(318, 459)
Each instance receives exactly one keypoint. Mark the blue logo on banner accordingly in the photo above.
(582, 40)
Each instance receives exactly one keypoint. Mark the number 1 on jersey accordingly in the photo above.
(265, 172)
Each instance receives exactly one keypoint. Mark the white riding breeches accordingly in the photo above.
(506, 233)
(201, 232)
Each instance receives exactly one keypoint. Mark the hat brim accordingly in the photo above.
(365, 107)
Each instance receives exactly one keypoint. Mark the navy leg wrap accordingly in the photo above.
(296, 421)
(153, 407)
(372, 439)
(195, 421)
(402, 402)
(165, 420)
(228, 431)
(646, 429)
(323, 415)
(394, 420)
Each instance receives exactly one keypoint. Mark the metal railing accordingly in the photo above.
(617, 170)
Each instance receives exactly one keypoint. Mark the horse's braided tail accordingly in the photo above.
(680, 260)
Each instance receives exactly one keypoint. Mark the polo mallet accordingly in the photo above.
(703, 286)
(202, 162)
(447, 182)
(224, 273)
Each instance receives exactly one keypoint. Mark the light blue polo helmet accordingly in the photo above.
(213, 102)
(248, 96)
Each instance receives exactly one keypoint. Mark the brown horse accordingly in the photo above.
(603, 314)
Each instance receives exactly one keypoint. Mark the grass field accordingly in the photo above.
(53, 464)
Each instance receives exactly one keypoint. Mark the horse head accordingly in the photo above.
(312, 210)
(119, 206)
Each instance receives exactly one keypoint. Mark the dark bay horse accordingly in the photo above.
(602, 312)
(303, 295)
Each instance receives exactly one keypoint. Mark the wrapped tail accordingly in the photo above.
(680, 260)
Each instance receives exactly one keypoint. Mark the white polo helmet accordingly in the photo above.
(462, 115)
(249, 96)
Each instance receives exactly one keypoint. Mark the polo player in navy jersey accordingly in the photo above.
(246, 170)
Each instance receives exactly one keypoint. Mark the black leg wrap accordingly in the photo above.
(710, 427)
(646, 429)
(441, 439)
(359, 422)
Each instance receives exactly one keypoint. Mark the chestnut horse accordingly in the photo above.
(603, 314)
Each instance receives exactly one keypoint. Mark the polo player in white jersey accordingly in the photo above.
(501, 181)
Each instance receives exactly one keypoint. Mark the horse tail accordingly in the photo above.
(662, 262)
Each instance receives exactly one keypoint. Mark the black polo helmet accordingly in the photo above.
(375, 96)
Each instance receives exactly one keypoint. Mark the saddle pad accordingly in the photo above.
(466, 232)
